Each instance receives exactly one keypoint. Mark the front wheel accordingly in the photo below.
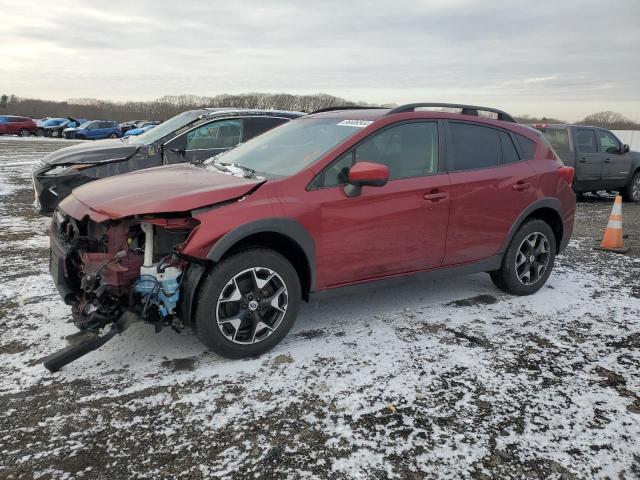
(24, 132)
(528, 261)
(113, 135)
(631, 192)
(247, 303)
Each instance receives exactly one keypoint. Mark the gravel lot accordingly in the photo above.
(446, 379)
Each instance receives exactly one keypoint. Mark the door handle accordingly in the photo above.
(435, 196)
(521, 186)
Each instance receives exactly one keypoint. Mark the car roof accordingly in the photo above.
(353, 114)
(221, 111)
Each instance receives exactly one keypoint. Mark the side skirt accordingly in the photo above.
(487, 265)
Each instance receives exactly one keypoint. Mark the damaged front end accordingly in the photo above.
(115, 272)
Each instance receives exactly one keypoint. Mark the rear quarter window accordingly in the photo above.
(527, 147)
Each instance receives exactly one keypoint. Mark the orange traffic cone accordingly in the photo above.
(612, 241)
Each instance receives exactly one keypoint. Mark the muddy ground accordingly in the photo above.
(446, 379)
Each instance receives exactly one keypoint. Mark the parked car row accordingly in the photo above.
(231, 240)
(72, 128)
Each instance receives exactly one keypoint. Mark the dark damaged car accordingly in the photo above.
(189, 137)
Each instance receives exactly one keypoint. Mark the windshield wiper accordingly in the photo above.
(219, 166)
(250, 171)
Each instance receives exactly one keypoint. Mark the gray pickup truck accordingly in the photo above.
(602, 162)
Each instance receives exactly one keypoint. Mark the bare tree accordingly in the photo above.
(611, 120)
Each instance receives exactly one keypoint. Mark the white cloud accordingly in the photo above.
(558, 58)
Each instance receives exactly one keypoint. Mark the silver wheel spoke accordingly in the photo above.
(532, 258)
(245, 318)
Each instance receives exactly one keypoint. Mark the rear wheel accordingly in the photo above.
(247, 303)
(529, 259)
(631, 193)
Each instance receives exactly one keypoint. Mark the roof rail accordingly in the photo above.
(466, 109)
(350, 107)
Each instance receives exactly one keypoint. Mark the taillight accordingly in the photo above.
(567, 174)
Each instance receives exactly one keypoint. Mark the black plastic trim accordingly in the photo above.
(285, 226)
(487, 265)
(466, 109)
(552, 203)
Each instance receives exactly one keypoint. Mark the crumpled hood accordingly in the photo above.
(92, 152)
(173, 188)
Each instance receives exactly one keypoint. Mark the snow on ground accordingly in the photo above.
(446, 379)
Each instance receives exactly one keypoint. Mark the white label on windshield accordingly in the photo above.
(356, 123)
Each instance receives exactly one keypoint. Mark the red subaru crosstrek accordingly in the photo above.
(334, 198)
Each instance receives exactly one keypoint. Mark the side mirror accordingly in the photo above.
(364, 174)
(625, 148)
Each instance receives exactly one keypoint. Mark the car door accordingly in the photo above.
(204, 141)
(397, 228)
(92, 130)
(589, 160)
(491, 184)
(616, 165)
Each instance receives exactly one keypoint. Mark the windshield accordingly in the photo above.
(86, 124)
(289, 148)
(166, 128)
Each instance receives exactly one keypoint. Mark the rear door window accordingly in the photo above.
(558, 138)
(586, 140)
(254, 126)
(471, 146)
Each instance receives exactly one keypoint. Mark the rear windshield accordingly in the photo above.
(557, 137)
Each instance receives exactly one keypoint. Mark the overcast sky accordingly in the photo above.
(564, 58)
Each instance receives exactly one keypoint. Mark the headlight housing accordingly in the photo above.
(60, 169)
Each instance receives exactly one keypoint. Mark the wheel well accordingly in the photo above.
(285, 246)
(552, 217)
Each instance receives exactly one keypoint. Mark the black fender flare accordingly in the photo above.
(287, 227)
(552, 203)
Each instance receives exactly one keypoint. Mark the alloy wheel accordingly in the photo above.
(635, 188)
(532, 259)
(252, 305)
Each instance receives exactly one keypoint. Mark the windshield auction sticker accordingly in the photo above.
(355, 123)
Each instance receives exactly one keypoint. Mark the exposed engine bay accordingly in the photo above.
(116, 272)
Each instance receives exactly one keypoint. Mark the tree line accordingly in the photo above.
(164, 107)
(170, 105)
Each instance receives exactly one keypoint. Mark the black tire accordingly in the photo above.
(217, 280)
(631, 192)
(506, 278)
(113, 135)
(23, 132)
